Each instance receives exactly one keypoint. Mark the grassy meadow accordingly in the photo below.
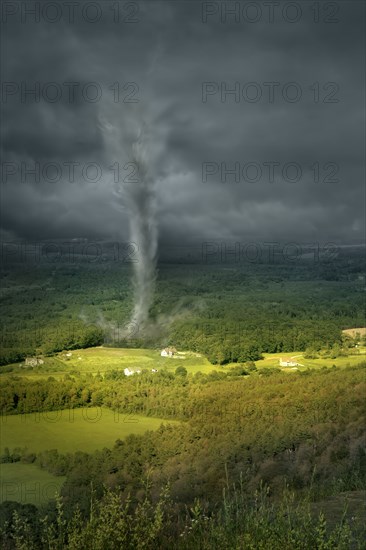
(105, 359)
(273, 360)
(71, 430)
(101, 360)
(28, 484)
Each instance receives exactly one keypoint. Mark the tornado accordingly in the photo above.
(141, 206)
(128, 140)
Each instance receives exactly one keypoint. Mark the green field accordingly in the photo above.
(27, 483)
(71, 430)
(273, 360)
(104, 359)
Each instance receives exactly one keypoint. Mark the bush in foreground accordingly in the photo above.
(237, 524)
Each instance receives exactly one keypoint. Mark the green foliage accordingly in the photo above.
(272, 425)
(181, 371)
(116, 523)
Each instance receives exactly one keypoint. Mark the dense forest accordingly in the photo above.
(228, 311)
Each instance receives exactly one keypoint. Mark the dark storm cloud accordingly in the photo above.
(167, 55)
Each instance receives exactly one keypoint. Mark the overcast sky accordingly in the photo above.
(293, 130)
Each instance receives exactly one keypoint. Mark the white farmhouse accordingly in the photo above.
(288, 363)
(168, 352)
(130, 372)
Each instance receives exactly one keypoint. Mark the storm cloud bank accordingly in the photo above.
(263, 123)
